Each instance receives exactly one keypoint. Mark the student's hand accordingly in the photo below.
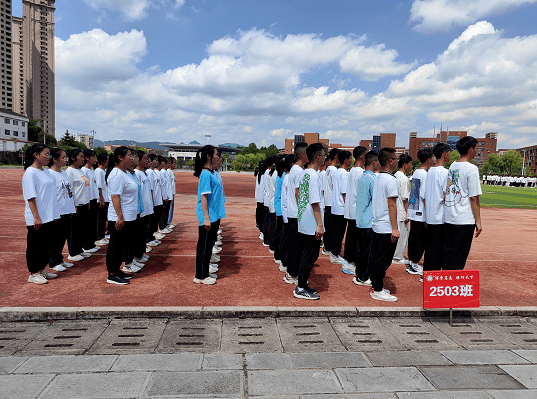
(37, 223)
(425, 225)
(166, 201)
(89, 206)
(319, 232)
(101, 203)
(395, 235)
(207, 224)
(407, 221)
(478, 229)
(120, 222)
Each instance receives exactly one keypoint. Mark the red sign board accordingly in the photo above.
(451, 289)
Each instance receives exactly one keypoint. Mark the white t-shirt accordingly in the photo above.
(266, 194)
(309, 192)
(416, 207)
(404, 193)
(127, 189)
(165, 184)
(256, 188)
(435, 187)
(322, 182)
(295, 176)
(271, 191)
(385, 187)
(339, 187)
(81, 186)
(90, 174)
(172, 181)
(352, 190)
(330, 172)
(154, 178)
(462, 183)
(261, 190)
(39, 184)
(101, 183)
(64, 193)
(147, 198)
(285, 182)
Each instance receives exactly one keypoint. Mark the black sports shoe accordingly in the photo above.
(126, 276)
(311, 290)
(115, 279)
(301, 293)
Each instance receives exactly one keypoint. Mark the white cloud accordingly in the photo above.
(441, 15)
(281, 133)
(132, 9)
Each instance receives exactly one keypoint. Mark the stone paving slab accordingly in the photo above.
(484, 357)
(8, 364)
(383, 379)
(159, 362)
(528, 354)
(208, 383)
(66, 364)
(417, 333)
(250, 335)
(469, 377)
(267, 361)
(364, 334)
(191, 336)
(407, 358)
(23, 386)
(514, 394)
(217, 361)
(88, 385)
(328, 360)
(308, 335)
(15, 336)
(516, 330)
(526, 375)
(284, 382)
(444, 395)
(351, 396)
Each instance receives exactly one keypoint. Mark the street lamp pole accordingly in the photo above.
(207, 136)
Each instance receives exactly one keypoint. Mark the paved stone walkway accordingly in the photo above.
(267, 357)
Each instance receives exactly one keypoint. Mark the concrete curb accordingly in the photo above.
(8, 314)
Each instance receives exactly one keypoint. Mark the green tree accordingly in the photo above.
(100, 150)
(454, 156)
(272, 150)
(251, 149)
(493, 165)
(34, 131)
(511, 162)
(190, 163)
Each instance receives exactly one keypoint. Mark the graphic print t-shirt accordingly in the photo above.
(309, 192)
(416, 207)
(64, 193)
(462, 183)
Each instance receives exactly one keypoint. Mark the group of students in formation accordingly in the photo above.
(310, 199)
(124, 201)
(510, 181)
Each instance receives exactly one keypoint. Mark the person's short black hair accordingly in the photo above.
(343, 156)
(425, 154)
(403, 159)
(464, 144)
(439, 149)
(358, 152)
(314, 150)
(371, 157)
(385, 154)
(333, 153)
(270, 160)
(300, 147)
(290, 160)
(102, 157)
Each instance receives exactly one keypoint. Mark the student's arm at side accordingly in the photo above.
(392, 208)
(317, 213)
(116, 202)
(296, 195)
(101, 198)
(344, 196)
(405, 204)
(33, 207)
(474, 202)
(205, 209)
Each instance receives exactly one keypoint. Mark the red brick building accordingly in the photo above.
(529, 154)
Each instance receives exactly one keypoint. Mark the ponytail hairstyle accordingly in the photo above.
(270, 161)
(29, 157)
(113, 160)
(280, 165)
(201, 158)
(55, 153)
(262, 169)
(73, 154)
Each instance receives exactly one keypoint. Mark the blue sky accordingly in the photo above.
(260, 71)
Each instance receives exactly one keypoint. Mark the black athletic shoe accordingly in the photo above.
(311, 290)
(126, 276)
(301, 293)
(115, 279)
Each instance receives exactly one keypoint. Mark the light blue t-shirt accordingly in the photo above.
(278, 195)
(210, 184)
(140, 206)
(364, 200)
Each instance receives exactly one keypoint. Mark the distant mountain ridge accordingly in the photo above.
(155, 145)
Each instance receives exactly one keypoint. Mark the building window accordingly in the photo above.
(23, 134)
(6, 121)
(8, 133)
(15, 123)
(16, 134)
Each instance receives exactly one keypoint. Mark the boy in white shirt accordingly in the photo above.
(328, 185)
(416, 212)
(435, 187)
(351, 239)
(339, 223)
(384, 224)
(405, 165)
(310, 222)
(462, 213)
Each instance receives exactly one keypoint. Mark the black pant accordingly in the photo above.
(119, 244)
(204, 249)
(60, 234)
(133, 241)
(363, 253)
(272, 231)
(140, 236)
(283, 243)
(416, 241)
(266, 225)
(294, 250)
(457, 244)
(78, 223)
(38, 246)
(351, 241)
(90, 227)
(382, 250)
(153, 222)
(259, 215)
(327, 228)
(101, 221)
(278, 234)
(339, 225)
(434, 247)
(310, 253)
(163, 221)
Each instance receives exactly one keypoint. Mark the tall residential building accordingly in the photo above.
(19, 103)
(85, 139)
(6, 68)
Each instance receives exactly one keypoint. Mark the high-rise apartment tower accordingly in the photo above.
(6, 56)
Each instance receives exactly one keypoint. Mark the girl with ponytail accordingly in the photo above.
(104, 198)
(93, 212)
(260, 196)
(153, 174)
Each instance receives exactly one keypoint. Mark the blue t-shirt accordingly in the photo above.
(364, 200)
(278, 195)
(210, 184)
(140, 207)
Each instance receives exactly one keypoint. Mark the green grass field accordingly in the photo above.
(508, 197)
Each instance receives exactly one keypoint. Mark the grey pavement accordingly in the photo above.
(284, 357)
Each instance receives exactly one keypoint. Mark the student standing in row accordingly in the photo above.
(280, 171)
(39, 192)
(171, 164)
(269, 221)
(260, 198)
(289, 162)
(156, 191)
(404, 165)
(327, 194)
(147, 199)
(166, 195)
(104, 198)
(93, 210)
(338, 222)
(66, 206)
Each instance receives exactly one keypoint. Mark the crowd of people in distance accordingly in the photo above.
(123, 200)
(509, 181)
(311, 200)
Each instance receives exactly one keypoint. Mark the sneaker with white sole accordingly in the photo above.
(85, 255)
(396, 261)
(58, 268)
(148, 249)
(357, 281)
(102, 242)
(114, 279)
(217, 250)
(348, 268)
(277, 261)
(411, 269)
(325, 252)
(107, 236)
(76, 258)
(261, 236)
(335, 259)
(271, 251)
(130, 268)
(290, 279)
(92, 250)
(215, 258)
(142, 259)
(218, 243)
(283, 268)
(154, 243)
(48, 275)
(164, 231)
(66, 264)
(383, 295)
(37, 278)
(265, 245)
(138, 264)
(213, 268)
(302, 293)
(158, 236)
(207, 281)
(220, 231)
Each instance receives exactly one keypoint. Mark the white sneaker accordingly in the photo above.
(382, 295)
(213, 275)
(283, 268)
(92, 250)
(217, 250)
(169, 227)
(48, 275)
(325, 252)
(137, 264)
(215, 259)
(148, 249)
(130, 268)
(107, 237)
(335, 259)
(172, 225)
(141, 260)
(85, 255)
(207, 281)
(164, 231)
(396, 261)
(357, 281)
(213, 268)
(76, 258)
(261, 236)
(37, 278)
(271, 251)
(65, 264)
(102, 242)
(58, 268)
(218, 243)
(220, 231)
(153, 243)
(159, 236)
(277, 261)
